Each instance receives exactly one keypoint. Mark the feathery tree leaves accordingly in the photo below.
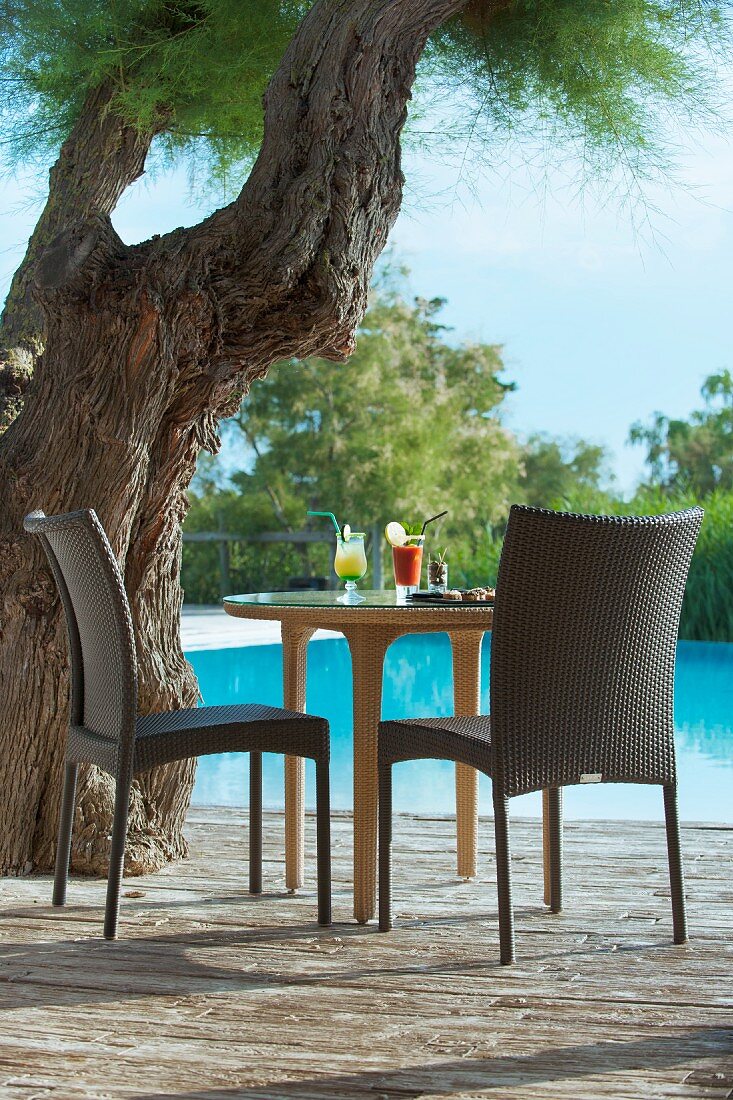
(561, 474)
(604, 76)
(604, 80)
(194, 71)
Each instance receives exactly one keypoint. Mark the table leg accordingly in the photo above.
(368, 649)
(466, 646)
(295, 647)
(546, 844)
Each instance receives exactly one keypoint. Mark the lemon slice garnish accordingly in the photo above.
(395, 534)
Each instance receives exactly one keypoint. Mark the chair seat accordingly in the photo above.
(245, 727)
(466, 740)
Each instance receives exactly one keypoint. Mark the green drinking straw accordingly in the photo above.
(330, 515)
(432, 520)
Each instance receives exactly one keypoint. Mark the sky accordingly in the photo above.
(603, 316)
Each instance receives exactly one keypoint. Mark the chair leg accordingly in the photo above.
(555, 838)
(504, 879)
(63, 844)
(117, 857)
(674, 855)
(323, 840)
(255, 823)
(385, 847)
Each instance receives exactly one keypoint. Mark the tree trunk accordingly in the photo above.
(97, 163)
(146, 348)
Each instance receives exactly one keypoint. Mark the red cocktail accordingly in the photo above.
(407, 561)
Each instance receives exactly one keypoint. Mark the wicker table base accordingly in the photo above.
(370, 629)
(295, 646)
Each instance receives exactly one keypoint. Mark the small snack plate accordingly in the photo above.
(432, 597)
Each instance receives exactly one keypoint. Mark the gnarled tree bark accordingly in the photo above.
(97, 163)
(146, 347)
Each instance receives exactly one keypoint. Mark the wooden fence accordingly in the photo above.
(298, 538)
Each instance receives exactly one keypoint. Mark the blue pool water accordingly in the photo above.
(417, 681)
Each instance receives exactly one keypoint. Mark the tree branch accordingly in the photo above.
(315, 213)
(101, 157)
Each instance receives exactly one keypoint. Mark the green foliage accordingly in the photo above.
(408, 421)
(567, 475)
(707, 613)
(412, 424)
(604, 75)
(691, 462)
(409, 426)
(600, 78)
(193, 69)
(252, 566)
(694, 454)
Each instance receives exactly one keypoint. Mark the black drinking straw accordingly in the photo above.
(432, 519)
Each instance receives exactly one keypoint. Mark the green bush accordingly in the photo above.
(707, 613)
(414, 423)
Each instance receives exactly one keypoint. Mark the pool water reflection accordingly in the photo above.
(417, 680)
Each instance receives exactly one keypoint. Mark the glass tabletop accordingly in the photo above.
(372, 598)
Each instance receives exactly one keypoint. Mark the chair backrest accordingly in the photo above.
(101, 638)
(583, 647)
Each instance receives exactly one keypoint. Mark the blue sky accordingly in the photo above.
(603, 321)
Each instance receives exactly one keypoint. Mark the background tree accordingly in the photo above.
(407, 423)
(696, 454)
(407, 427)
(134, 352)
(410, 425)
(560, 473)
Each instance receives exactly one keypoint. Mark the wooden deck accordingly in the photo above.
(214, 994)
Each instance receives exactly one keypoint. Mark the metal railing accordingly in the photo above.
(298, 538)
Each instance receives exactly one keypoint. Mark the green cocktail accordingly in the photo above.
(350, 563)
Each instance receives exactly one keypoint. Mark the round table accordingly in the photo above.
(370, 628)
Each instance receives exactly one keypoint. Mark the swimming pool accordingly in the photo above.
(417, 680)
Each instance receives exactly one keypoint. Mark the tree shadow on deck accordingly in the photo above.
(88, 970)
(547, 1064)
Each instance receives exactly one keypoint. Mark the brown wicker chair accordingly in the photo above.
(582, 679)
(105, 728)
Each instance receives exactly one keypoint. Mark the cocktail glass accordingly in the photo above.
(407, 562)
(350, 564)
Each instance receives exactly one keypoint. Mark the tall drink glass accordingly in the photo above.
(350, 564)
(407, 562)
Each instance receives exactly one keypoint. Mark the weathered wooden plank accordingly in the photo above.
(212, 993)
